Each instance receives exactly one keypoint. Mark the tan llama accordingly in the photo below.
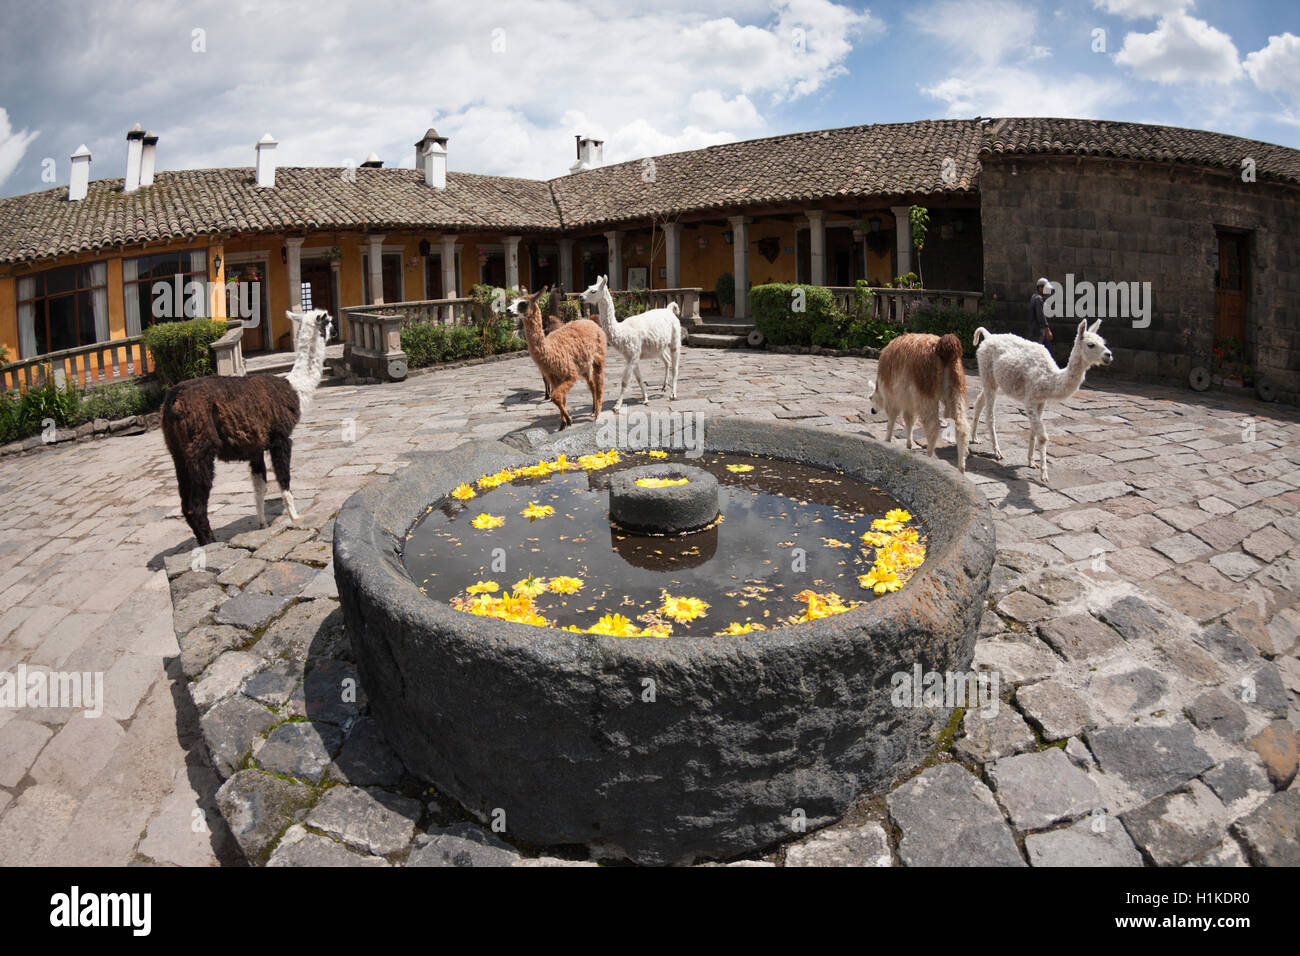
(572, 351)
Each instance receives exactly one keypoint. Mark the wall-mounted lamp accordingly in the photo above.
(425, 247)
(728, 237)
(216, 264)
(874, 223)
(284, 253)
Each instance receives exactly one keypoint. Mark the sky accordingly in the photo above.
(510, 83)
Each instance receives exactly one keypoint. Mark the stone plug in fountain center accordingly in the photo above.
(724, 727)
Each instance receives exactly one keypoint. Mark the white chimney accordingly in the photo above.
(372, 162)
(266, 161)
(79, 183)
(134, 148)
(430, 136)
(147, 158)
(591, 153)
(435, 163)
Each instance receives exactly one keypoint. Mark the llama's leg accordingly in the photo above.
(909, 423)
(558, 394)
(257, 465)
(668, 369)
(195, 488)
(892, 415)
(932, 432)
(993, 426)
(598, 389)
(281, 453)
(622, 386)
(979, 408)
(677, 359)
(645, 396)
(1042, 442)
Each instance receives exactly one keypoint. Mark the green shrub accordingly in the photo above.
(427, 344)
(182, 350)
(942, 319)
(777, 315)
(22, 414)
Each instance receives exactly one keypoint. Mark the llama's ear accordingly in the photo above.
(1095, 326)
(1083, 327)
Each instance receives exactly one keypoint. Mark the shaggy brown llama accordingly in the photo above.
(572, 351)
(553, 321)
(239, 419)
(916, 374)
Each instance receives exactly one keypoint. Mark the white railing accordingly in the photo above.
(102, 363)
(896, 306)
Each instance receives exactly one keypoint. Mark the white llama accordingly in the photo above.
(653, 334)
(1026, 371)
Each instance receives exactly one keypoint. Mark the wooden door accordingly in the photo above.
(318, 278)
(1230, 288)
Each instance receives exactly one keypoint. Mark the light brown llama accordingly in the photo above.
(916, 374)
(574, 350)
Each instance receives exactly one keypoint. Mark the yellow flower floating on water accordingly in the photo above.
(532, 512)
(821, 605)
(613, 625)
(880, 580)
(661, 482)
(875, 538)
(564, 585)
(463, 492)
(485, 521)
(509, 607)
(893, 520)
(599, 460)
(740, 468)
(530, 587)
(657, 630)
(488, 482)
(735, 627)
(483, 587)
(683, 609)
(835, 543)
(539, 470)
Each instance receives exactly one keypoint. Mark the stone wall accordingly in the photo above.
(1110, 220)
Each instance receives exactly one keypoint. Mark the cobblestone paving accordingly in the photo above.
(1144, 620)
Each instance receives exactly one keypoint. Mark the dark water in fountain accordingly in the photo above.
(746, 566)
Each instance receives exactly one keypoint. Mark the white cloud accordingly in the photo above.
(13, 145)
(1276, 68)
(991, 44)
(510, 82)
(1181, 49)
(1135, 9)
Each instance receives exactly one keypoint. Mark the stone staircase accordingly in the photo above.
(717, 332)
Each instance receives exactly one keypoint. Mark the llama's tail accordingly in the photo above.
(948, 349)
(675, 309)
(980, 333)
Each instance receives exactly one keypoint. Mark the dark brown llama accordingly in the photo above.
(239, 419)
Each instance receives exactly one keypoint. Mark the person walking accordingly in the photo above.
(1039, 329)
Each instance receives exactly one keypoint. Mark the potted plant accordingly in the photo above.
(725, 289)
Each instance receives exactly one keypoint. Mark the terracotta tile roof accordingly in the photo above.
(882, 161)
(1139, 141)
(192, 203)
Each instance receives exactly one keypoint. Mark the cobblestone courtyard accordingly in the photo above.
(1144, 619)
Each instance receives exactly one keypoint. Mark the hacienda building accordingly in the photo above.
(1211, 221)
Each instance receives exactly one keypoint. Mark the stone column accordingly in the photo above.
(450, 281)
(740, 251)
(512, 261)
(673, 253)
(293, 248)
(375, 250)
(816, 246)
(566, 265)
(903, 238)
(615, 239)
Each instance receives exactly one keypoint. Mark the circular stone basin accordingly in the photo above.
(641, 499)
(668, 749)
